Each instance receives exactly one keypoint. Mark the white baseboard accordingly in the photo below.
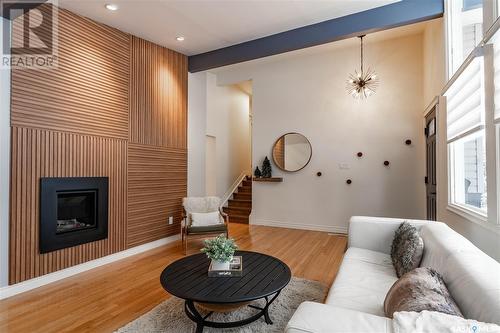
(303, 226)
(9, 291)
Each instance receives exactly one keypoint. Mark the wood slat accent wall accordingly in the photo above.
(88, 92)
(158, 96)
(75, 121)
(157, 182)
(40, 153)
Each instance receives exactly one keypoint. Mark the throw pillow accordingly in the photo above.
(205, 219)
(421, 289)
(407, 249)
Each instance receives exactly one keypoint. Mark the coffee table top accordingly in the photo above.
(263, 275)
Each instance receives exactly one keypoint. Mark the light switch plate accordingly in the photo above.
(170, 220)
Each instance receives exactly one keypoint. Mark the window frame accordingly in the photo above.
(450, 9)
(490, 220)
(491, 26)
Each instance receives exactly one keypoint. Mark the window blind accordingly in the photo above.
(465, 101)
(496, 76)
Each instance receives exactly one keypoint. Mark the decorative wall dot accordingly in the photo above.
(349, 182)
(408, 142)
(386, 163)
(360, 154)
(318, 173)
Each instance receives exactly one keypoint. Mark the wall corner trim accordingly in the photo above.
(18, 288)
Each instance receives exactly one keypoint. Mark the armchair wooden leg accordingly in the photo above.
(185, 244)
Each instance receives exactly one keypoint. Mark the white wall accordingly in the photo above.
(434, 60)
(211, 166)
(434, 79)
(306, 93)
(228, 121)
(197, 104)
(219, 114)
(4, 170)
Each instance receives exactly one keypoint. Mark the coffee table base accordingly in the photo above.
(201, 321)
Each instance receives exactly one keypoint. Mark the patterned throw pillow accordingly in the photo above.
(421, 289)
(407, 249)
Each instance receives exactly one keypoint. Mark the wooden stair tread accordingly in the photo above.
(239, 209)
(240, 206)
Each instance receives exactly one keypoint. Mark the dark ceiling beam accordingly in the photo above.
(369, 21)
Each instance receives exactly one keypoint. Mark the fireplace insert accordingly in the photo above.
(73, 211)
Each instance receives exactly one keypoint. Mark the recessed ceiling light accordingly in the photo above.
(179, 38)
(111, 6)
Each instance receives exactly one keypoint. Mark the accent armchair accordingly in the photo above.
(202, 205)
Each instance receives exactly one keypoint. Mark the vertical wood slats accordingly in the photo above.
(89, 90)
(157, 182)
(40, 153)
(75, 121)
(158, 95)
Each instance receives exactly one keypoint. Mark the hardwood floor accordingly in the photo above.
(108, 297)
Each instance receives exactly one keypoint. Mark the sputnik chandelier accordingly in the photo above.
(364, 83)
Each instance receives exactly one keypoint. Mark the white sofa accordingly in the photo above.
(356, 298)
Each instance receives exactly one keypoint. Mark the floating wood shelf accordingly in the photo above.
(269, 180)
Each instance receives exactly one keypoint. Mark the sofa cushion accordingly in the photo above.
(377, 233)
(313, 317)
(421, 289)
(362, 282)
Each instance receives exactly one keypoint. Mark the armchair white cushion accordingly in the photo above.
(205, 219)
(201, 205)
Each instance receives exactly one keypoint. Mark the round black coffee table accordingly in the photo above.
(263, 278)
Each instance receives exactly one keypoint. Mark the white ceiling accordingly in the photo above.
(211, 24)
(376, 37)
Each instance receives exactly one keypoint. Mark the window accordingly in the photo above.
(496, 115)
(473, 110)
(466, 139)
(468, 172)
(465, 30)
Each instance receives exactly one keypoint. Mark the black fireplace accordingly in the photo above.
(73, 211)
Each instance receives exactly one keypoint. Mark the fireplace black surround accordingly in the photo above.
(73, 211)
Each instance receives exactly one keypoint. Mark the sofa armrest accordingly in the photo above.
(375, 233)
(312, 317)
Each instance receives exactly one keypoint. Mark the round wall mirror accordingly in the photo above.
(292, 152)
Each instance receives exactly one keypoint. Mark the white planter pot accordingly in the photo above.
(220, 266)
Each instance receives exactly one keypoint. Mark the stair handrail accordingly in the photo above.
(233, 188)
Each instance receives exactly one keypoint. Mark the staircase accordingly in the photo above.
(240, 206)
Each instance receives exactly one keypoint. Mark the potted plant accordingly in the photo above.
(220, 250)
